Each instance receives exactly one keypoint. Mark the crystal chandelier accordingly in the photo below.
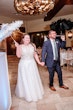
(32, 7)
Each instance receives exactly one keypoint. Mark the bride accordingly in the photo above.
(29, 85)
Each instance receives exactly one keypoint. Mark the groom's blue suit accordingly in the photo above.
(48, 58)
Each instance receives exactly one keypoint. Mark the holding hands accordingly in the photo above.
(41, 63)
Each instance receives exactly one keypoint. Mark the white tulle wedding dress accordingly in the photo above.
(29, 85)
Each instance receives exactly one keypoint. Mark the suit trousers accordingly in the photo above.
(56, 67)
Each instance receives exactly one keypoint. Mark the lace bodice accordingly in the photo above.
(27, 52)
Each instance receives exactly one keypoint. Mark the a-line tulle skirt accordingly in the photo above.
(29, 84)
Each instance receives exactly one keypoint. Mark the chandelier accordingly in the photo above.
(32, 7)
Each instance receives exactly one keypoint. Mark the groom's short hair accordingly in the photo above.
(51, 31)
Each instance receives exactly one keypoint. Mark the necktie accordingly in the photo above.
(55, 51)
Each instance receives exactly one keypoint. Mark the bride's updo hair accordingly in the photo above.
(24, 34)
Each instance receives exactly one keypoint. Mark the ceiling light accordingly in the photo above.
(32, 7)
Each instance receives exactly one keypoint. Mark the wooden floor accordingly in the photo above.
(58, 100)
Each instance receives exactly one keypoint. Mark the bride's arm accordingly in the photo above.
(37, 57)
(18, 50)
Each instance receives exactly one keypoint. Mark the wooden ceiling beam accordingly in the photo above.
(59, 5)
(68, 2)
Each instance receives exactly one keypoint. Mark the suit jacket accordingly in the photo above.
(47, 52)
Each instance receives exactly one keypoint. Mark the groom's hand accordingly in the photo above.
(63, 37)
(42, 63)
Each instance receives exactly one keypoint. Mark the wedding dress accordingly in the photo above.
(29, 85)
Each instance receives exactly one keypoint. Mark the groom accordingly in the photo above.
(51, 57)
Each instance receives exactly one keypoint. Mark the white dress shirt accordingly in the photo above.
(55, 52)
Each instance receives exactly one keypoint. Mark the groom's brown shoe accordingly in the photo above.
(52, 88)
(64, 87)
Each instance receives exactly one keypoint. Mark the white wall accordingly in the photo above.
(36, 25)
(4, 19)
(41, 25)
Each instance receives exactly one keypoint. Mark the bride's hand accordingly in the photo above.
(16, 43)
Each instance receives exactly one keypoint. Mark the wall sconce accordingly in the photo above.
(70, 34)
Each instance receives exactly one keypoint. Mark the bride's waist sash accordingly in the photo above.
(28, 58)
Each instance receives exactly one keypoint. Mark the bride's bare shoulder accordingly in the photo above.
(33, 45)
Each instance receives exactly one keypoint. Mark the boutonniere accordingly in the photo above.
(57, 42)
